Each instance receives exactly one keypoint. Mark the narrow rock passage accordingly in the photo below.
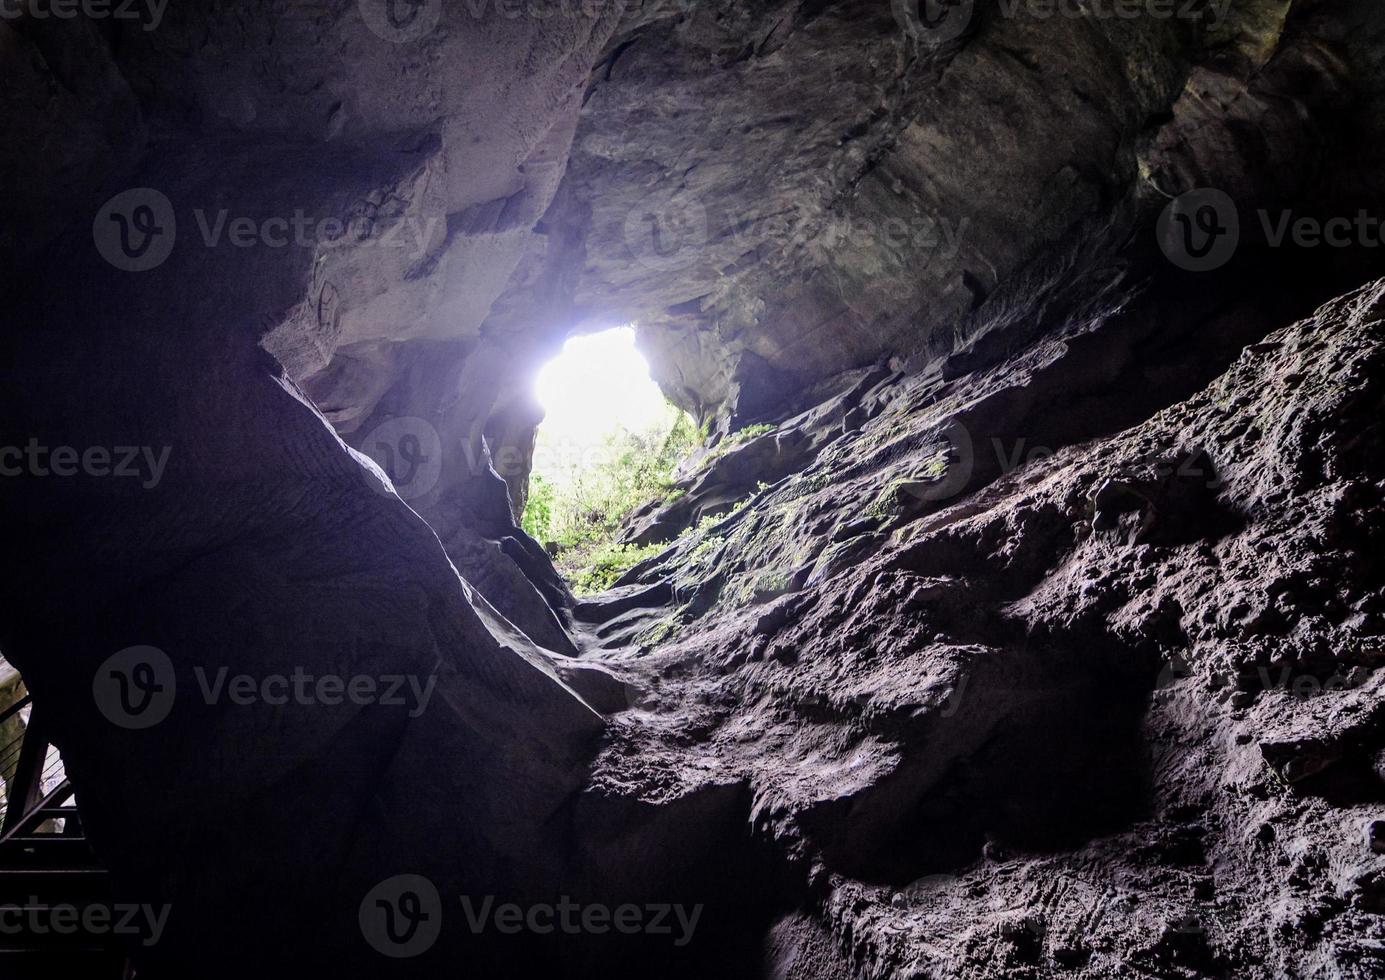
(1018, 611)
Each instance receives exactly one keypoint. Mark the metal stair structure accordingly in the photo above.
(51, 884)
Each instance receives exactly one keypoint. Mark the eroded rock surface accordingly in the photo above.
(1035, 629)
(1015, 704)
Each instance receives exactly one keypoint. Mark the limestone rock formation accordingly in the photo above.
(1017, 697)
(1034, 629)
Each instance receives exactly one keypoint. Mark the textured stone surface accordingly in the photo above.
(266, 546)
(1040, 632)
(1098, 704)
(827, 191)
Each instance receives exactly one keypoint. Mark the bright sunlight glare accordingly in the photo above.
(599, 384)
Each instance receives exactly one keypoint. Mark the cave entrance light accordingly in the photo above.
(596, 387)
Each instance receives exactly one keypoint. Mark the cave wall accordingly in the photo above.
(909, 678)
(262, 544)
(1066, 666)
(777, 193)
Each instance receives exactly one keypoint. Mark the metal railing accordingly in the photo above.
(10, 751)
(34, 776)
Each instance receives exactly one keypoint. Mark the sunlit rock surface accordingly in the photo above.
(1017, 692)
(1036, 628)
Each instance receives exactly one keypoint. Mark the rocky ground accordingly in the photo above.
(1021, 615)
(1011, 702)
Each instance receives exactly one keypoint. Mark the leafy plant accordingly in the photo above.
(748, 433)
(581, 517)
(737, 438)
(538, 509)
(883, 506)
(935, 467)
(600, 564)
(701, 526)
(703, 552)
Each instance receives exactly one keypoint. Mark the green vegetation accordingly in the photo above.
(883, 507)
(703, 552)
(701, 526)
(936, 467)
(597, 566)
(538, 509)
(662, 631)
(746, 434)
(737, 438)
(579, 517)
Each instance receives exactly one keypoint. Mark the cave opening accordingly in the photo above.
(609, 443)
(1010, 605)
